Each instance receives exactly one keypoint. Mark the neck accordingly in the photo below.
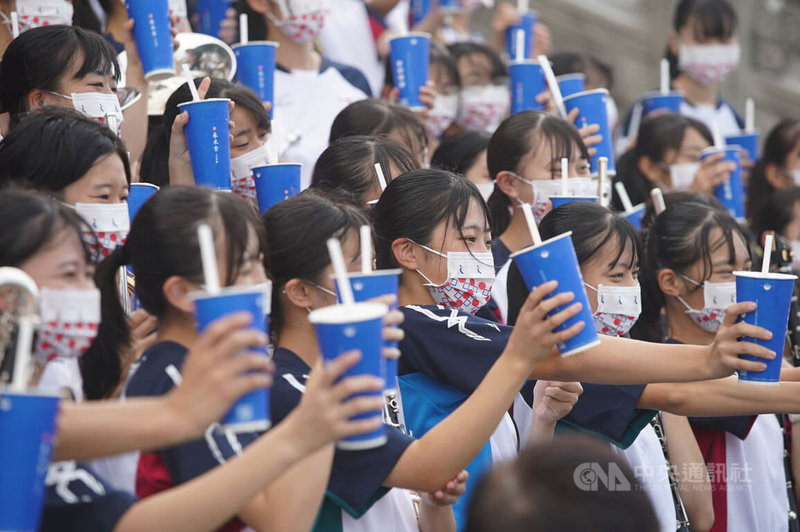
(517, 236)
(298, 336)
(681, 327)
(291, 55)
(178, 328)
(411, 291)
(694, 92)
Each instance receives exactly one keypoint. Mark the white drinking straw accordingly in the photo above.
(188, 75)
(522, 7)
(658, 200)
(243, 28)
(636, 120)
(767, 253)
(564, 176)
(208, 256)
(14, 25)
(664, 76)
(750, 116)
(340, 271)
(272, 152)
(365, 232)
(526, 210)
(381, 178)
(623, 196)
(22, 354)
(111, 122)
(719, 142)
(553, 84)
(602, 179)
(520, 44)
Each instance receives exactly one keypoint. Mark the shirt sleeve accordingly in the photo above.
(739, 426)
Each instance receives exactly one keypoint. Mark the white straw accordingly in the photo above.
(553, 84)
(243, 28)
(22, 354)
(340, 271)
(636, 120)
(14, 25)
(272, 143)
(623, 196)
(111, 122)
(188, 75)
(658, 200)
(564, 176)
(520, 44)
(664, 76)
(522, 7)
(526, 210)
(750, 116)
(208, 256)
(767, 253)
(365, 232)
(381, 178)
(602, 179)
(719, 142)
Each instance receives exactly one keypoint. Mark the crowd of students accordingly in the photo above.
(488, 428)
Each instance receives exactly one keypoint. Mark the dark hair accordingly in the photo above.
(779, 210)
(297, 230)
(545, 489)
(54, 147)
(84, 16)
(458, 153)
(155, 159)
(438, 56)
(256, 26)
(592, 228)
(674, 197)
(568, 63)
(711, 19)
(379, 117)
(39, 57)
(657, 135)
(465, 49)
(782, 139)
(348, 165)
(517, 136)
(414, 204)
(678, 238)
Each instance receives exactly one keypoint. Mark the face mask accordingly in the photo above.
(99, 106)
(444, 112)
(544, 188)
(110, 223)
(795, 173)
(302, 19)
(708, 64)
(716, 298)
(242, 183)
(69, 323)
(38, 13)
(618, 308)
(470, 277)
(682, 175)
(485, 189)
(483, 108)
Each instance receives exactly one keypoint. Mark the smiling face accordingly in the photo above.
(610, 268)
(247, 136)
(105, 182)
(69, 83)
(543, 163)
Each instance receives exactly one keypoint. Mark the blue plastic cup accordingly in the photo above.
(368, 286)
(27, 427)
(208, 139)
(527, 82)
(730, 193)
(655, 101)
(138, 194)
(527, 24)
(251, 412)
(275, 183)
(256, 68)
(593, 109)
(555, 260)
(451, 6)
(570, 84)
(558, 201)
(211, 13)
(410, 58)
(772, 292)
(153, 35)
(418, 10)
(748, 141)
(636, 215)
(342, 328)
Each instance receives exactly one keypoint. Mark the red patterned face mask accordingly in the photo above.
(69, 323)
(468, 286)
(302, 19)
(110, 222)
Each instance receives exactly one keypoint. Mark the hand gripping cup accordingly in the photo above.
(410, 57)
(592, 106)
(138, 195)
(772, 292)
(342, 328)
(256, 68)
(27, 426)
(555, 260)
(570, 84)
(251, 412)
(368, 286)
(153, 35)
(527, 82)
(558, 201)
(275, 183)
(655, 101)
(526, 25)
(748, 141)
(211, 13)
(207, 136)
(730, 193)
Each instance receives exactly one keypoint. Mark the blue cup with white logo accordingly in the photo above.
(410, 58)
(342, 328)
(731, 192)
(153, 35)
(593, 109)
(208, 139)
(27, 428)
(251, 412)
(655, 101)
(772, 292)
(555, 260)
(748, 141)
(636, 216)
(138, 194)
(558, 201)
(368, 286)
(275, 183)
(526, 25)
(256, 68)
(527, 82)
(570, 84)
(211, 14)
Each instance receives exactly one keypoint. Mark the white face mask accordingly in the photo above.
(716, 298)
(110, 222)
(618, 308)
(485, 189)
(98, 105)
(37, 13)
(708, 64)
(302, 19)
(69, 323)
(482, 108)
(682, 175)
(444, 112)
(242, 183)
(543, 189)
(795, 173)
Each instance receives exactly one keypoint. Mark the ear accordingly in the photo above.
(298, 293)
(176, 290)
(404, 253)
(36, 98)
(649, 169)
(669, 282)
(774, 176)
(259, 6)
(507, 184)
(672, 42)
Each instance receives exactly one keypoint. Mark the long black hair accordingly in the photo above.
(711, 19)
(457, 153)
(379, 117)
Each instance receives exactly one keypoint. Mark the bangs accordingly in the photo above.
(729, 227)
(713, 20)
(562, 138)
(99, 56)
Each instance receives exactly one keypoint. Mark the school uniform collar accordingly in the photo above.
(324, 65)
